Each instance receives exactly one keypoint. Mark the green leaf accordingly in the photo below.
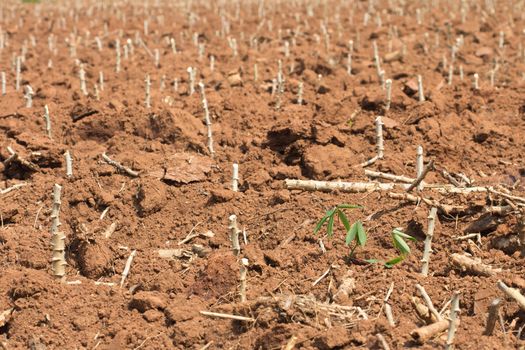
(330, 229)
(320, 224)
(371, 261)
(361, 233)
(404, 235)
(390, 263)
(400, 244)
(344, 220)
(323, 220)
(350, 235)
(349, 206)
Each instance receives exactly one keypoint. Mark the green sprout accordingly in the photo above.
(355, 232)
(398, 238)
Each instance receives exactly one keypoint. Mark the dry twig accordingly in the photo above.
(119, 166)
(421, 176)
(428, 301)
(513, 293)
(228, 316)
(387, 176)
(127, 267)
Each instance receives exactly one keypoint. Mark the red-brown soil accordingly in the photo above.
(181, 188)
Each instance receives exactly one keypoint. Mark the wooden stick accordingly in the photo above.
(322, 276)
(419, 163)
(447, 209)
(513, 293)
(428, 241)
(345, 288)
(498, 210)
(492, 317)
(109, 231)
(505, 195)
(520, 227)
(235, 177)
(420, 93)
(351, 187)
(382, 341)
(234, 234)
(379, 137)
(423, 311)
(450, 178)
(5, 316)
(421, 176)
(171, 253)
(454, 314)
(243, 273)
(12, 188)
(290, 344)
(472, 266)
(47, 120)
(387, 176)
(69, 164)
(428, 301)
(207, 345)
(119, 166)
(127, 267)
(389, 316)
(460, 190)
(101, 283)
(369, 162)
(422, 334)
(388, 87)
(227, 316)
(58, 260)
(190, 235)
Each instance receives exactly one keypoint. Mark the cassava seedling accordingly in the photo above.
(355, 233)
(398, 239)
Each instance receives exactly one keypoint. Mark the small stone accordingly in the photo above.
(389, 123)
(221, 195)
(181, 309)
(258, 179)
(484, 51)
(152, 315)
(143, 301)
(280, 197)
(151, 198)
(234, 78)
(393, 56)
(281, 172)
(116, 105)
(410, 87)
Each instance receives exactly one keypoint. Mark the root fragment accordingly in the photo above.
(472, 266)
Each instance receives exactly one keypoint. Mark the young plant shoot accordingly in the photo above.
(355, 233)
(398, 239)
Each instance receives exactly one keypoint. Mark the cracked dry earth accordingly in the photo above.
(252, 57)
